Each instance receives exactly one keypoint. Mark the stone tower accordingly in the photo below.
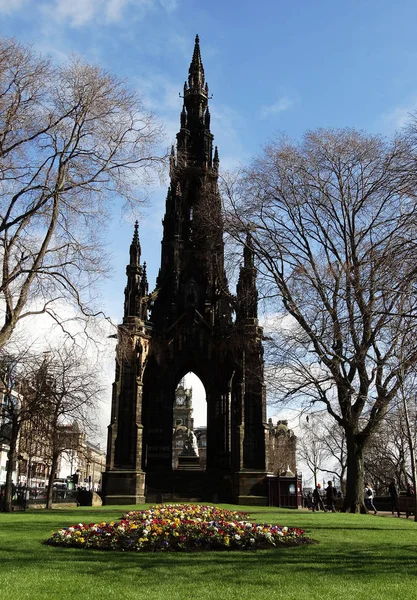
(191, 322)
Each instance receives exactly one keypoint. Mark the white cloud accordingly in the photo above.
(80, 12)
(292, 415)
(39, 333)
(9, 6)
(76, 12)
(180, 44)
(160, 93)
(399, 116)
(114, 9)
(282, 104)
(226, 123)
(169, 5)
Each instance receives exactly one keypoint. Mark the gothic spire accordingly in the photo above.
(247, 293)
(144, 281)
(144, 290)
(134, 273)
(248, 252)
(172, 162)
(135, 249)
(196, 70)
(194, 140)
(216, 159)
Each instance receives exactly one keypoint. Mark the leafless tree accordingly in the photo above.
(407, 403)
(391, 452)
(322, 446)
(387, 454)
(73, 139)
(312, 448)
(332, 221)
(70, 390)
(17, 409)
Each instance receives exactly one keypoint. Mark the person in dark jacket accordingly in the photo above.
(331, 497)
(410, 490)
(393, 492)
(317, 499)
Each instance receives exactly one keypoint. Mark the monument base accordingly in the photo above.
(123, 487)
(188, 463)
(250, 488)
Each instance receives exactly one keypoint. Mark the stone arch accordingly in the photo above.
(189, 423)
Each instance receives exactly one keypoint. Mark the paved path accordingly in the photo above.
(383, 513)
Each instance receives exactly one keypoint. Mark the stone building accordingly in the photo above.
(33, 461)
(80, 456)
(282, 448)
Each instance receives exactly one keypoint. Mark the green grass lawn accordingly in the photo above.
(359, 557)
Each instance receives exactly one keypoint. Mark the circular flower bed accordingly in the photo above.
(196, 512)
(178, 527)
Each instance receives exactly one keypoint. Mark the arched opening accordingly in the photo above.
(189, 438)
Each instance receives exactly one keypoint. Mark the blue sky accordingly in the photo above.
(272, 65)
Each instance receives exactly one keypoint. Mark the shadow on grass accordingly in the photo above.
(220, 565)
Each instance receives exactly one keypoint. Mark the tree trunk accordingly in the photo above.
(343, 479)
(49, 492)
(354, 499)
(11, 465)
(410, 439)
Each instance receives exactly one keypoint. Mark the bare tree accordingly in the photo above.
(72, 140)
(387, 454)
(334, 440)
(322, 446)
(18, 407)
(312, 448)
(332, 222)
(69, 388)
(410, 429)
(391, 452)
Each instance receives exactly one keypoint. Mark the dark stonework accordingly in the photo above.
(190, 322)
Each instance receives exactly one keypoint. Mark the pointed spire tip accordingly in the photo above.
(135, 240)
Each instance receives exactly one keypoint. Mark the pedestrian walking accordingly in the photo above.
(369, 498)
(331, 497)
(394, 495)
(317, 499)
